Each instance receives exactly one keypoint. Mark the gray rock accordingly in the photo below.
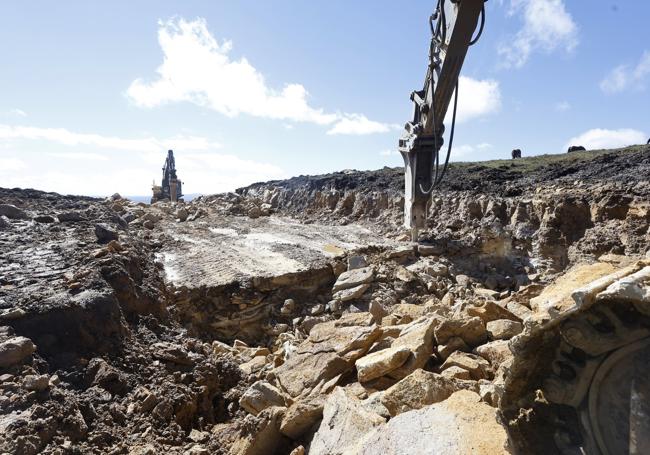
(105, 233)
(301, 416)
(462, 424)
(70, 217)
(503, 329)
(14, 350)
(377, 310)
(36, 383)
(419, 389)
(309, 322)
(12, 313)
(288, 307)
(478, 367)
(345, 421)
(463, 280)
(46, 219)
(471, 330)
(350, 294)
(377, 364)
(401, 252)
(259, 396)
(356, 262)
(182, 214)
(171, 353)
(495, 352)
(353, 278)
(334, 306)
(317, 310)
(452, 345)
(254, 212)
(4, 223)
(437, 269)
(13, 212)
(129, 216)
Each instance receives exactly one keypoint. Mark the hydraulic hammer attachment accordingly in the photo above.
(452, 25)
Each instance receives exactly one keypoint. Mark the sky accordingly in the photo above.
(93, 93)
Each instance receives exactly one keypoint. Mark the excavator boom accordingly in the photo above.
(453, 24)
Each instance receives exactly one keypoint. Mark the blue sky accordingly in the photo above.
(91, 97)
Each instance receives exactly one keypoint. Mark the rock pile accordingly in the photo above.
(107, 345)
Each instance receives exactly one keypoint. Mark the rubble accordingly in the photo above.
(290, 317)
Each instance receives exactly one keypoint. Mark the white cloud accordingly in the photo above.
(476, 98)
(198, 69)
(562, 106)
(547, 26)
(389, 152)
(79, 156)
(357, 124)
(70, 138)
(13, 113)
(599, 138)
(12, 164)
(224, 162)
(624, 77)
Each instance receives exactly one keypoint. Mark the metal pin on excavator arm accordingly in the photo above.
(452, 25)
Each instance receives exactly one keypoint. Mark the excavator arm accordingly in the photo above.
(453, 24)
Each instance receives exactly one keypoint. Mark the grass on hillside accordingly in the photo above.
(533, 163)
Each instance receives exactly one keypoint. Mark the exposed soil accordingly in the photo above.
(226, 324)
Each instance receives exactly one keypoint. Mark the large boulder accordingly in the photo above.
(15, 350)
(379, 363)
(491, 311)
(349, 342)
(478, 367)
(345, 421)
(260, 396)
(495, 352)
(472, 330)
(462, 424)
(503, 329)
(353, 278)
(345, 295)
(419, 389)
(13, 212)
(105, 233)
(260, 435)
(70, 216)
(418, 338)
(330, 351)
(301, 416)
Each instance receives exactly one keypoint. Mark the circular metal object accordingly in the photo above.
(609, 397)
